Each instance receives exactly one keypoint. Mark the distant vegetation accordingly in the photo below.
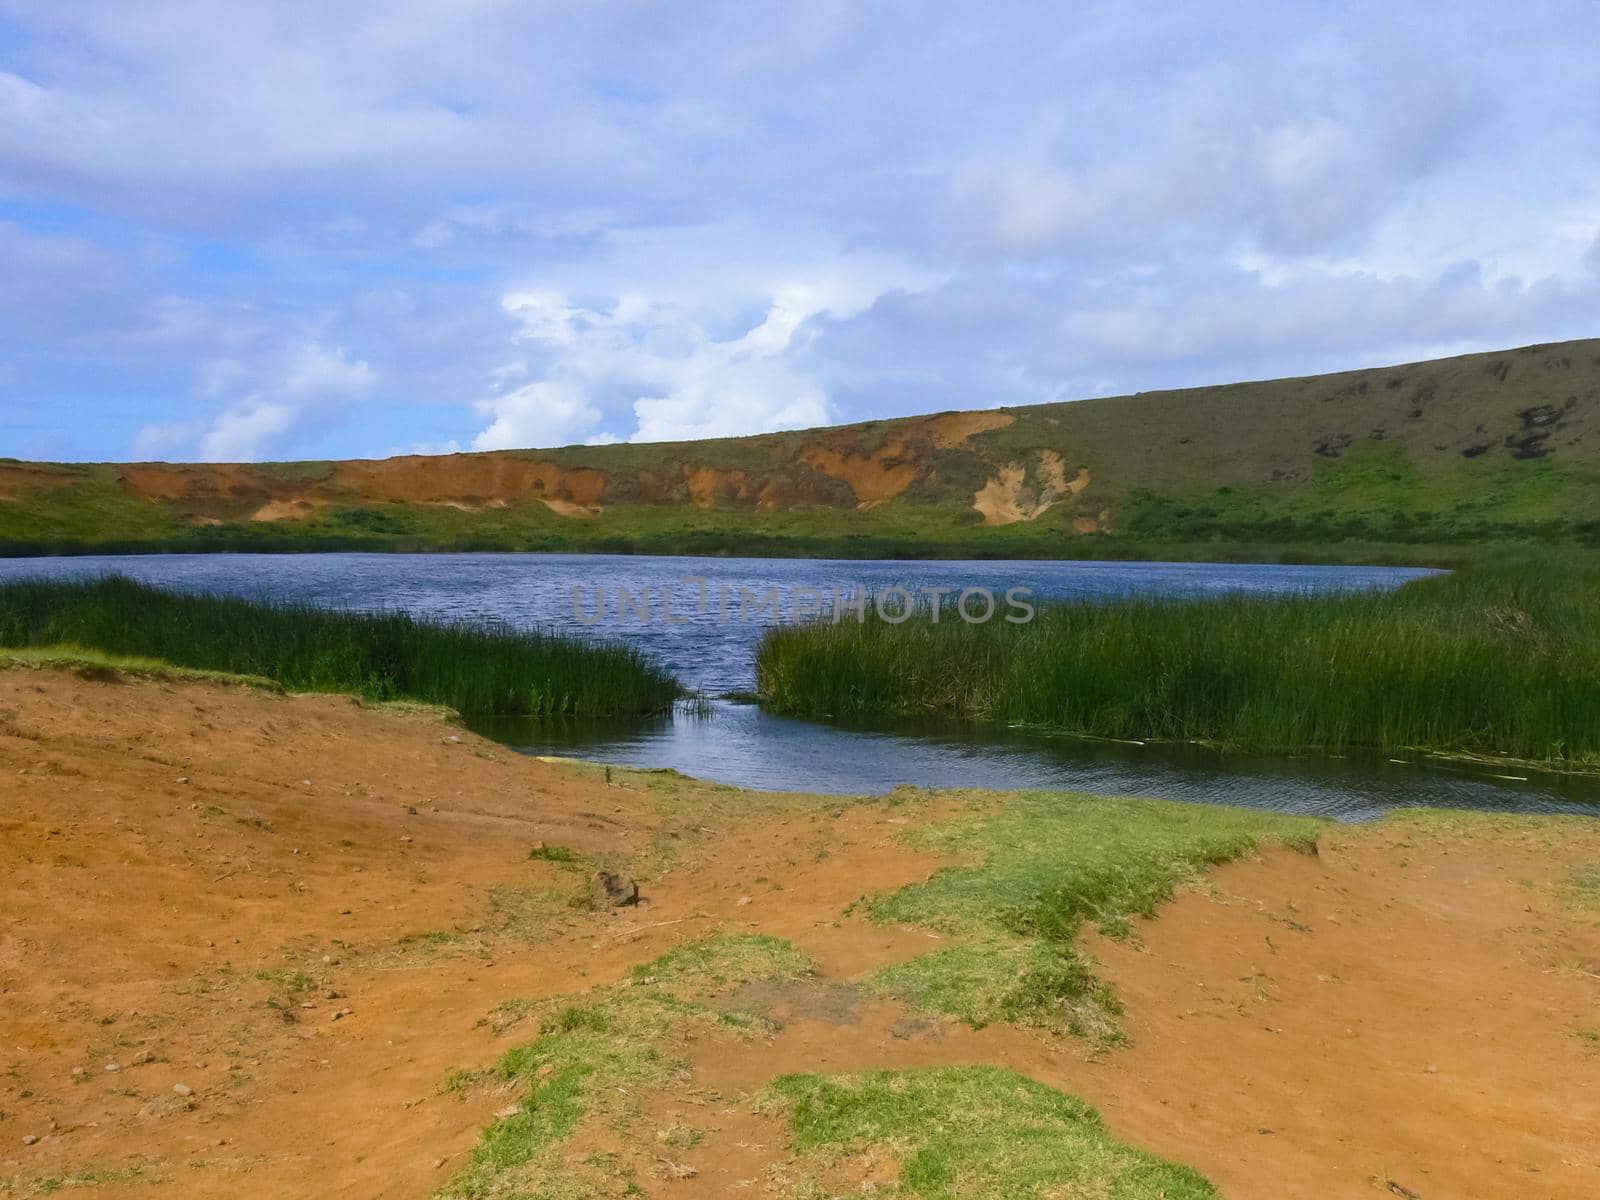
(383, 656)
(1499, 658)
(1409, 463)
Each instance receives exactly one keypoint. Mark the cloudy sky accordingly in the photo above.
(301, 229)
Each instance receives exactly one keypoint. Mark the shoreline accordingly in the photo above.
(207, 865)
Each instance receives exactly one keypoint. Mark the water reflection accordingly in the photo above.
(743, 745)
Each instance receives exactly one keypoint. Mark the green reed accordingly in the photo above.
(477, 669)
(1501, 657)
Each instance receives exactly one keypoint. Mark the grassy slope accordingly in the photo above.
(1347, 466)
(1501, 658)
(1044, 863)
(381, 656)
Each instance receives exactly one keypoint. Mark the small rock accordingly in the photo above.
(182, 1089)
(619, 889)
(183, 779)
(509, 1110)
(1430, 1069)
(741, 901)
(344, 912)
(79, 1072)
(112, 1067)
(340, 1013)
(405, 837)
(31, 1139)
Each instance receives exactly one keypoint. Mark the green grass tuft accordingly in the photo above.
(1045, 864)
(589, 1055)
(554, 854)
(386, 656)
(977, 1133)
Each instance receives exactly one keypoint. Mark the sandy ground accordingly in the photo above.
(283, 920)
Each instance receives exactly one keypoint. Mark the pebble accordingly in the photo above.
(80, 1072)
(112, 1067)
(182, 1089)
(31, 1139)
(340, 1013)
(183, 779)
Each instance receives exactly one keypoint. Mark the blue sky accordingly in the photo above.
(296, 229)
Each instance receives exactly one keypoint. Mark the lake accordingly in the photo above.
(702, 617)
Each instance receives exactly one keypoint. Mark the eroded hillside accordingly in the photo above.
(1457, 450)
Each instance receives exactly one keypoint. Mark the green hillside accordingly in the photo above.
(1405, 462)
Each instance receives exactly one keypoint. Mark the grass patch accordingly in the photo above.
(590, 1055)
(977, 1133)
(97, 664)
(49, 1185)
(1501, 658)
(288, 979)
(1582, 887)
(1043, 865)
(385, 656)
(710, 966)
(554, 854)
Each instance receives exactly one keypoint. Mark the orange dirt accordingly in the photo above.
(471, 480)
(21, 477)
(1009, 497)
(285, 510)
(469, 477)
(707, 486)
(1402, 1009)
(951, 431)
(873, 478)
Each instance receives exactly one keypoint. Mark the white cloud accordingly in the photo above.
(246, 430)
(660, 361)
(723, 219)
(305, 390)
(548, 413)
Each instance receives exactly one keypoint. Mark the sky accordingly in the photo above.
(296, 229)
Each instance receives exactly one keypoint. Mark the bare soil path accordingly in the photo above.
(298, 912)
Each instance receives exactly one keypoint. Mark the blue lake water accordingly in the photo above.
(705, 616)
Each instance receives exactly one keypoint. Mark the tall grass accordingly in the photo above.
(1501, 657)
(473, 669)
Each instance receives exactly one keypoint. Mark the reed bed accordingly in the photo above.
(474, 669)
(1499, 658)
